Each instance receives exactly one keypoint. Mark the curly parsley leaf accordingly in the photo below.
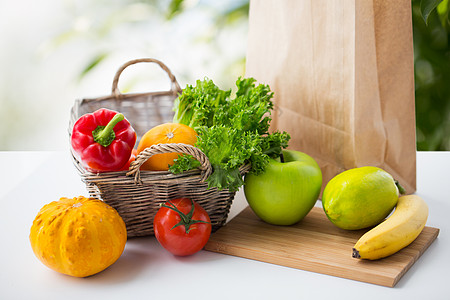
(184, 163)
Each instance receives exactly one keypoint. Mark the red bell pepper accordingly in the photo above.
(103, 140)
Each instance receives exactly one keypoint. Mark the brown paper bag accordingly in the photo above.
(342, 76)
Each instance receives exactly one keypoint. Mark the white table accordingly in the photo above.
(146, 271)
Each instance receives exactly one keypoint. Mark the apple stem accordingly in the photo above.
(282, 157)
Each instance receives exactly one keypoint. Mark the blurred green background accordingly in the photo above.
(432, 73)
(58, 51)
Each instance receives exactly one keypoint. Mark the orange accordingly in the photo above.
(165, 134)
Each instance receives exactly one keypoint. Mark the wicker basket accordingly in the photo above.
(136, 194)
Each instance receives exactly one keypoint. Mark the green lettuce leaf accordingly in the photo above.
(231, 131)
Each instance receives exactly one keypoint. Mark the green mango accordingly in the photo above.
(359, 198)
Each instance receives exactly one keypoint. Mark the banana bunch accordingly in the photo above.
(396, 232)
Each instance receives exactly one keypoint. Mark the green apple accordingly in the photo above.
(286, 191)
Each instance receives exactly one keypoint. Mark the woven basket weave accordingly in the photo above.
(136, 194)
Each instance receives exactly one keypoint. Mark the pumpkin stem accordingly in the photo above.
(186, 219)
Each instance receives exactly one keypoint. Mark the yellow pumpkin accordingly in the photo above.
(165, 134)
(78, 237)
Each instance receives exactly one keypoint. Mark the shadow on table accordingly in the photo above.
(137, 256)
(142, 254)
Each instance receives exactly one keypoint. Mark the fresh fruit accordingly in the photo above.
(78, 237)
(165, 134)
(132, 158)
(182, 226)
(359, 198)
(103, 140)
(286, 191)
(396, 232)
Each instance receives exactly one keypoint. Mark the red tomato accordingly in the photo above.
(130, 160)
(181, 228)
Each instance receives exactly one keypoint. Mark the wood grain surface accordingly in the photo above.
(314, 244)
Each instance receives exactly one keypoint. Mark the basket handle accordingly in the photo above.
(205, 167)
(175, 87)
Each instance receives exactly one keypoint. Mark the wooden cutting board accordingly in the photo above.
(314, 244)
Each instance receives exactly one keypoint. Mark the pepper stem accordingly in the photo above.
(104, 135)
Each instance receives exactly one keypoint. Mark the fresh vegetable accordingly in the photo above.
(78, 237)
(197, 106)
(360, 197)
(130, 160)
(182, 226)
(103, 140)
(396, 232)
(164, 134)
(231, 131)
(286, 191)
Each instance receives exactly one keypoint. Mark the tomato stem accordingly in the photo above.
(186, 219)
